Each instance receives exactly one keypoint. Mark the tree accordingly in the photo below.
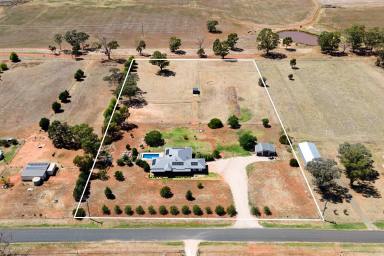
(159, 59)
(290, 76)
(108, 46)
(219, 210)
(166, 192)
(140, 210)
(355, 36)
(329, 41)
(208, 210)
(255, 211)
(211, 25)
(231, 211)
(189, 196)
(232, 40)
(151, 210)
(75, 39)
(79, 75)
(109, 194)
(185, 210)
(292, 63)
(62, 136)
(197, 210)
(265, 122)
(3, 67)
(284, 139)
(105, 210)
(200, 49)
(128, 210)
(358, 163)
(63, 96)
(154, 139)
(84, 162)
(293, 162)
(267, 40)
(200, 185)
(287, 41)
(14, 57)
(233, 122)
(44, 124)
(52, 48)
(163, 210)
(380, 59)
(56, 107)
(373, 38)
(220, 48)
(119, 176)
(215, 123)
(58, 39)
(140, 46)
(262, 82)
(118, 210)
(143, 164)
(174, 43)
(267, 211)
(324, 171)
(248, 141)
(80, 214)
(173, 210)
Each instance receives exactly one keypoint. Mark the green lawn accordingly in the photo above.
(245, 115)
(232, 150)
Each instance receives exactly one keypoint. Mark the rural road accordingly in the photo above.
(168, 234)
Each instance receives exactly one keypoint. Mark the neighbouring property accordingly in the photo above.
(38, 172)
(265, 149)
(176, 161)
(308, 151)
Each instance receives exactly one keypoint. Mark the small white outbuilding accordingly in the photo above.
(308, 151)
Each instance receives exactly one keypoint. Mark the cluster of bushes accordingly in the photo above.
(143, 164)
(3, 67)
(117, 120)
(256, 211)
(173, 210)
(7, 143)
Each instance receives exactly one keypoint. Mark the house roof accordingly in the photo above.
(308, 151)
(35, 170)
(262, 147)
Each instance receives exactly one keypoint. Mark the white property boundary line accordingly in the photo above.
(289, 141)
(196, 218)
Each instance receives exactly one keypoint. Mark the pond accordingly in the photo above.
(300, 37)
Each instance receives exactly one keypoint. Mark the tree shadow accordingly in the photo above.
(338, 54)
(129, 126)
(180, 52)
(274, 55)
(217, 31)
(290, 49)
(237, 49)
(166, 73)
(120, 60)
(367, 190)
(335, 194)
(78, 58)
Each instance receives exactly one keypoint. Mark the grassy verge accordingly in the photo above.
(245, 115)
(315, 225)
(232, 150)
(9, 153)
(379, 224)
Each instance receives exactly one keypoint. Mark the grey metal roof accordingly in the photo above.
(262, 147)
(35, 170)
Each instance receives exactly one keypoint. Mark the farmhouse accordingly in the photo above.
(38, 170)
(265, 149)
(178, 160)
(308, 151)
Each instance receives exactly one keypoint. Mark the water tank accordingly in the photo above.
(37, 181)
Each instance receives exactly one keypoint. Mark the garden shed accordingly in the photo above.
(265, 149)
(35, 170)
(308, 151)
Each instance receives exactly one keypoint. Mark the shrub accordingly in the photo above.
(120, 162)
(106, 210)
(166, 192)
(154, 139)
(215, 123)
(261, 81)
(151, 210)
(63, 96)
(163, 210)
(216, 154)
(80, 213)
(128, 210)
(56, 107)
(185, 210)
(255, 211)
(197, 210)
(135, 153)
(173, 210)
(118, 210)
(284, 139)
(247, 141)
(233, 122)
(143, 164)
(293, 162)
(265, 122)
(79, 75)
(119, 176)
(44, 124)
(128, 147)
(208, 210)
(189, 196)
(3, 67)
(14, 57)
(174, 43)
(219, 210)
(231, 211)
(108, 193)
(207, 157)
(267, 211)
(140, 210)
(200, 185)
(211, 26)
(290, 76)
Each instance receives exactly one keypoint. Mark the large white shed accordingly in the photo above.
(308, 151)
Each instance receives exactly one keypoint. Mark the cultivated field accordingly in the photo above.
(331, 102)
(127, 20)
(30, 87)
